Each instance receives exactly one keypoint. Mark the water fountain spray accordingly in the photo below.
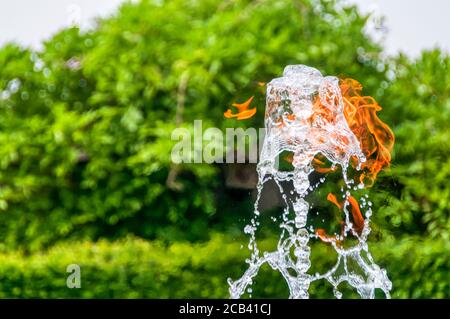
(325, 124)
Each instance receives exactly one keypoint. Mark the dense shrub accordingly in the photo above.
(133, 268)
(85, 130)
(414, 196)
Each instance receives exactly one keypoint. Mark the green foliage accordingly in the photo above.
(415, 193)
(133, 268)
(85, 140)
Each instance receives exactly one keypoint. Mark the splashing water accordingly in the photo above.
(308, 116)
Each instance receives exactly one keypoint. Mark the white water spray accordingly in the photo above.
(289, 105)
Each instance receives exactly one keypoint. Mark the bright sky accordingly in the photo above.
(31, 21)
(412, 25)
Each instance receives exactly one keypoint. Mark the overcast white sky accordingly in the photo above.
(412, 25)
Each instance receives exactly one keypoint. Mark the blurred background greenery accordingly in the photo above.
(85, 128)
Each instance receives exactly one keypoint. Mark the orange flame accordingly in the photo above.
(332, 198)
(318, 163)
(289, 158)
(358, 219)
(322, 234)
(376, 140)
(375, 137)
(243, 111)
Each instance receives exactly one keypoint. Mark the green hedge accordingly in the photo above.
(85, 128)
(134, 268)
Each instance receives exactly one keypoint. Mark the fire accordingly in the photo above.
(319, 165)
(375, 137)
(243, 110)
(322, 234)
(376, 140)
(358, 219)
